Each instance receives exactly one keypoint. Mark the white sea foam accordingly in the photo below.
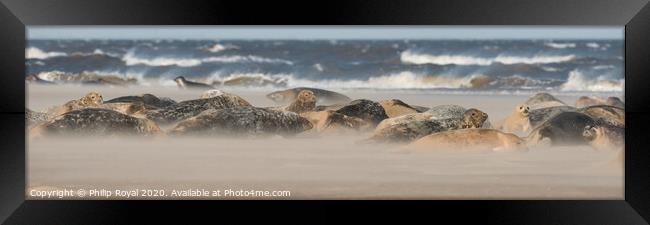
(418, 58)
(578, 81)
(560, 45)
(36, 53)
(219, 47)
(131, 59)
(593, 45)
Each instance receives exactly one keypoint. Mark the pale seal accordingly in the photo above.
(330, 121)
(410, 127)
(183, 83)
(469, 140)
(239, 121)
(396, 107)
(93, 121)
(586, 101)
(518, 121)
(323, 96)
(89, 100)
(367, 110)
(611, 115)
(190, 108)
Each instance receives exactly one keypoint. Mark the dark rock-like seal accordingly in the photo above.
(186, 84)
(148, 100)
(539, 116)
(243, 121)
(34, 118)
(566, 128)
(396, 107)
(190, 108)
(93, 121)
(367, 110)
(323, 96)
(413, 126)
(607, 114)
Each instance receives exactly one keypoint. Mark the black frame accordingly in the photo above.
(16, 14)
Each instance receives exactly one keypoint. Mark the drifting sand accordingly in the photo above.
(326, 167)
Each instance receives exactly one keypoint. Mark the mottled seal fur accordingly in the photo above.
(469, 139)
(190, 108)
(94, 121)
(323, 96)
(566, 128)
(89, 100)
(306, 101)
(34, 118)
(183, 83)
(148, 100)
(243, 121)
(605, 137)
(413, 126)
(396, 107)
(452, 112)
(331, 121)
(607, 114)
(539, 116)
(586, 101)
(367, 110)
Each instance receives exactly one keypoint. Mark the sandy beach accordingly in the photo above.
(312, 167)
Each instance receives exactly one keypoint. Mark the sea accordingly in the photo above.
(480, 66)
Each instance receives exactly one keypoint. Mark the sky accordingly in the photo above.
(325, 32)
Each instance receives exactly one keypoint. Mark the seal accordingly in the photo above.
(331, 121)
(323, 96)
(469, 140)
(190, 108)
(586, 101)
(605, 137)
(518, 121)
(148, 100)
(367, 110)
(396, 107)
(306, 101)
(543, 100)
(212, 93)
(452, 111)
(606, 114)
(251, 121)
(89, 100)
(34, 118)
(93, 121)
(566, 128)
(183, 83)
(133, 109)
(410, 127)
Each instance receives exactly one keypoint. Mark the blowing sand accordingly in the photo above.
(324, 167)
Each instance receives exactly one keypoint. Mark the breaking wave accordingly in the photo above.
(578, 81)
(36, 53)
(560, 45)
(220, 47)
(416, 58)
(131, 59)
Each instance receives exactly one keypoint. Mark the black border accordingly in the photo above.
(15, 14)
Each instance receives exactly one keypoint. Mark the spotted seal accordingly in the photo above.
(413, 126)
(148, 100)
(89, 100)
(94, 121)
(452, 111)
(467, 140)
(183, 83)
(607, 114)
(251, 121)
(367, 110)
(190, 108)
(323, 96)
(396, 107)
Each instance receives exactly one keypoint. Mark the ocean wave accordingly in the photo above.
(578, 81)
(416, 58)
(402, 80)
(560, 45)
(131, 59)
(36, 53)
(219, 47)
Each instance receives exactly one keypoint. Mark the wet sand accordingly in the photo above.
(323, 167)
